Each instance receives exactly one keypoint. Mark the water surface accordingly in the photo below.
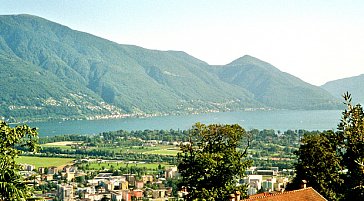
(278, 120)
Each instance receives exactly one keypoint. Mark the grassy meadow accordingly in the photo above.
(44, 161)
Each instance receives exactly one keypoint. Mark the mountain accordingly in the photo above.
(353, 85)
(272, 87)
(51, 71)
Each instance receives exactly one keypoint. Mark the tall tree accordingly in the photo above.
(211, 165)
(11, 185)
(351, 136)
(319, 164)
(333, 163)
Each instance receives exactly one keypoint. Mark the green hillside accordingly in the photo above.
(31, 92)
(353, 85)
(274, 88)
(52, 71)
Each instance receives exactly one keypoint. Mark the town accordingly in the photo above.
(141, 165)
(69, 183)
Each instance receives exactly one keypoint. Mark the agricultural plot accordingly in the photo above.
(159, 150)
(61, 145)
(44, 161)
(169, 152)
(117, 165)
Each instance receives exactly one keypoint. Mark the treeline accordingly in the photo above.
(122, 135)
(258, 137)
(266, 147)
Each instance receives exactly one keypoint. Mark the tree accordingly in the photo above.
(211, 165)
(319, 164)
(351, 137)
(333, 163)
(11, 185)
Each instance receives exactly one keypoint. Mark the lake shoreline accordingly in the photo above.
(272, 119)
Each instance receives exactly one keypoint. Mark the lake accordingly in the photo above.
(278, 120)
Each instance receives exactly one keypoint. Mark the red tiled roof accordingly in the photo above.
(306, 194)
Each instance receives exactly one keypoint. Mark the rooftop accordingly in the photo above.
(304, 194)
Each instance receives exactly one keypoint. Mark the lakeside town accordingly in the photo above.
(69, 183)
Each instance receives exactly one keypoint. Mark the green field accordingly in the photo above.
(117, 165)
(170, 152)
(44, 161)
(159, 149)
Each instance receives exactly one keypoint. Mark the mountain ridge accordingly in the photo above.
(121, 80)
(354, 85)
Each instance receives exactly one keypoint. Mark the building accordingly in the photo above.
(130, 178)
(70, 176)
(138, 194)
(69, 168)
(65, 192)
(117, 195)
(42, 170)
(108, 185)
(86, 190)
(160, 193)
(27, 167)
(147, 179)
(269, 184)
(126, 195)
(305, 194)
(49, 177)
(124, 185)
(96, 197)
(52, 170)
(281, 184)
(171, 172)
(139, 184)
(254, 181)
(266, 172)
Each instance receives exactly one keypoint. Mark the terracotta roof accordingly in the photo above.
(304, 194)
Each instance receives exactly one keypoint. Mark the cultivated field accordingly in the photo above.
(170, 152)
(44, 161)
(117, 165)
(62, 145)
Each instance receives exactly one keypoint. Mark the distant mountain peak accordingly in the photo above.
(247, 59)
(253, 61)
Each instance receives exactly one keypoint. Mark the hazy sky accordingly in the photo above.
(317, 41)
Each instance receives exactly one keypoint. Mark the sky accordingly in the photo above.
(315, 40)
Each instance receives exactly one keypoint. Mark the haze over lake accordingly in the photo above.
(278, 120)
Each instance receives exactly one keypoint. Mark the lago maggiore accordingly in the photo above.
(276, 119)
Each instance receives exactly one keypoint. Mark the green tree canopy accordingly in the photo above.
(211, 165)
(11, 185)
(333, 162)
(351, 137)
(319, 164)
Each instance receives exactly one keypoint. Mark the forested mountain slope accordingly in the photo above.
(272, 87)
(353, 85)
(52, 71)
